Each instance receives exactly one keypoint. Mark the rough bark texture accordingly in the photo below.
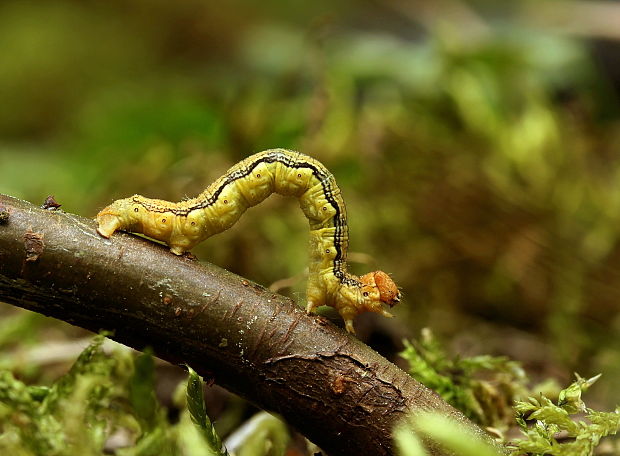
(336, 390)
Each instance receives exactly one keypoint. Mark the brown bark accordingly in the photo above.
(333, 388)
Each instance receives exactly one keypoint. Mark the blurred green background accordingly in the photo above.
(477, 145)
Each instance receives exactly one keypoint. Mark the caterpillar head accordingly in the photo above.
(381, 289)
(116, 216)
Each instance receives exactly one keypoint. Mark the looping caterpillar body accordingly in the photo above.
(183, 225)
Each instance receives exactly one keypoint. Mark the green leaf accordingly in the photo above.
(198, 413)
(442, 431)
(262, 435)
(407, 442)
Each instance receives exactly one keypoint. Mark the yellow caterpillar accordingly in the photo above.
(183, 225)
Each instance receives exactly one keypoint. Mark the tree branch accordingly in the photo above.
(333, 388)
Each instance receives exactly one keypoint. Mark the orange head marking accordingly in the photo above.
(387, 288)
(388, 291)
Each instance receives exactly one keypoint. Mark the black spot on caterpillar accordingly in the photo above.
(183, 225)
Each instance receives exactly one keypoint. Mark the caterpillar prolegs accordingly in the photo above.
(183, 225)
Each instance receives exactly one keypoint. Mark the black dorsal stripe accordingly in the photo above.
(289, 160)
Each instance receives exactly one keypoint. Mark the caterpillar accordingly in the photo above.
(183, 225)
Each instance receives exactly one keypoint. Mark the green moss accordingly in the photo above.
(541, 420)
(485, 400)
(494, 402)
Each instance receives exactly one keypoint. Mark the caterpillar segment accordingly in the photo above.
(183, 225)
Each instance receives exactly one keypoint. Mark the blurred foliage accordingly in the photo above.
(42, 420)
(444, 432)
(581, 439)
(106, 403)
(486, 400)
(263, 434)
(477, 149)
